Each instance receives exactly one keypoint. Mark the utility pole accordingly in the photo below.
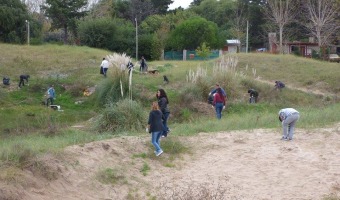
(136, 39)
(247, 36)
(28, 31)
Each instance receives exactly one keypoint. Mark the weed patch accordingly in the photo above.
(110, 176)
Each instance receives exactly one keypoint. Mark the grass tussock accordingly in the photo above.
(110, 176)
(121, 116)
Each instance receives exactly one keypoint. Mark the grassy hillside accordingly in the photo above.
(71, 69)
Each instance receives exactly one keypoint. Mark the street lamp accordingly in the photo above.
(28, 31)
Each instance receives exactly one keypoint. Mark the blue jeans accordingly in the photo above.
(219, 108)
(288, 125)
(155, 140)
(165, 124)
(104, 71)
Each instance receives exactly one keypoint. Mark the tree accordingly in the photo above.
(116, 35)
(134, 9)
(161, 5)
(64, 14)
(13, 15)
(196, 2)
(203, 51)
(192, 32)
(322, 19)
(281, 12)
(34, 5)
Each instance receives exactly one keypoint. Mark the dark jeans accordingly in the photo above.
(22, 82)
(49, 99)
(165, 124)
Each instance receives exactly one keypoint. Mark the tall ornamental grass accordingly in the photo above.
(124, 115)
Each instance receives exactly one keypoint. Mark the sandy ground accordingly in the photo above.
(252, 164)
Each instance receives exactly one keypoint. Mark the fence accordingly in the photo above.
(189, 55)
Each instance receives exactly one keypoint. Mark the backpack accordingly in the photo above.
(5, 81)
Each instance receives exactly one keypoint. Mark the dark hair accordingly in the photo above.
(219, 91)
(280, 119)
(163, 94)
(103, 58)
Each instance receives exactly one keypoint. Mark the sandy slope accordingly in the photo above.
(227, 165)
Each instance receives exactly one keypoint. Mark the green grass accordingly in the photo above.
(36, 130)
(145, 169)
(110, 176)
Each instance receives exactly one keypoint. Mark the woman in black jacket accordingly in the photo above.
(163, 105)
(155, 127)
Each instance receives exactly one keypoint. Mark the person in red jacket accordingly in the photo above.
(219, 103)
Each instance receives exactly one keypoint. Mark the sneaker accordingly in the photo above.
(284, 138)
(159, 153)
(163, 136)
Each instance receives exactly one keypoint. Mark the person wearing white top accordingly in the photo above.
(104, 65)
(288, 117)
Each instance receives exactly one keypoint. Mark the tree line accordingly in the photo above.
(112, 24)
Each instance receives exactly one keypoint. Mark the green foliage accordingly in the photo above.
(145, 46)
(174, 147)
(125, 115)
(141, 155)
(19, 155)
(193, 32)
(111, 88)
(13, 14)
(145, 169)
(114, 34)
(97, 33)
(64, 13)
(157, 49)
(203, 51)
(161, 5)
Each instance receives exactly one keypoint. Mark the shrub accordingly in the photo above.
(110, 89)
(18, 155)
(125, 115)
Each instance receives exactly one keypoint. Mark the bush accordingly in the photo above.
(19, 155)
(109, 90)
(125, 115)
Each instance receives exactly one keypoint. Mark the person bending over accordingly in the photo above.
(22, 80)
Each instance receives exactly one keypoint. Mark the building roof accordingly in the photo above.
(233, 41)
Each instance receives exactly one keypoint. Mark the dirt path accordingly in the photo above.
(227, 165)
(306, 90)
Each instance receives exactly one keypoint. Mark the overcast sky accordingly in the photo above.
(178, 3)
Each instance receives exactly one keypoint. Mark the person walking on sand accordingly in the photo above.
(288, 117)
(219, 103)
(163, 102)
(104, 66)
(155, 127)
